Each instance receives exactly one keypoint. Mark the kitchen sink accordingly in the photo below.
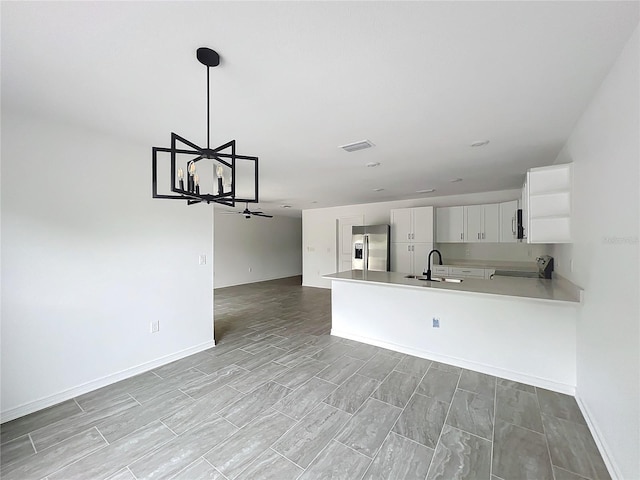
(435, 279)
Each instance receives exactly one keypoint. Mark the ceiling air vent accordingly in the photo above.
(352, 147)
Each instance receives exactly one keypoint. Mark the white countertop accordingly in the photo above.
(557, 290)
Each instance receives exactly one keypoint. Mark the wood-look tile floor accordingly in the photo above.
(279, 398)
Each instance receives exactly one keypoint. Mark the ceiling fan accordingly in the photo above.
(248, 213)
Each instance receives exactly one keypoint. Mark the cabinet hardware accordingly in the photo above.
(462, 236)
(482, 235)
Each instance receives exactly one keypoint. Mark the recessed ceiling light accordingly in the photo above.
(378, 189)
(315, 201)
(373, 164)
(479, 143)
(455, 180)
(355, 146)
(285, 206)
(428, 190)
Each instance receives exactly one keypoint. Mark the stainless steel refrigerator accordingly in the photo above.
(370, 247)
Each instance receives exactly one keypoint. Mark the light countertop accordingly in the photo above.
(556, 290)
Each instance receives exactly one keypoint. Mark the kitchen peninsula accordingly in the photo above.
(521, 329)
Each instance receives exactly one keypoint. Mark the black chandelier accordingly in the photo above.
(206, 174)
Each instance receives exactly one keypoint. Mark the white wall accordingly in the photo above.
(256, 249)
(319, 227)
(605, 152)
(89, 259)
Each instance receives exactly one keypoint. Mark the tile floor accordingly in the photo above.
(279, 398)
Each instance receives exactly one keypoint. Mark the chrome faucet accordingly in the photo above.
(428, 272)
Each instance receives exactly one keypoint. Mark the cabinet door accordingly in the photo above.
(449, 224)
(420, 254)
(440, 270)
(473, 223)
(401, 225)
(508, 225)
(402, 257)
(422, 224)
(466, 272)
(491, 221)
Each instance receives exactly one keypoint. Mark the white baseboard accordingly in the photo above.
(248, 281)
(315, 286)
(34, 406)
(459, 362)
(612, 467)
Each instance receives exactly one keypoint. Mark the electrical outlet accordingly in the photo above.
(436, 322)
(155, 326)
(202, 260)
(250, 269)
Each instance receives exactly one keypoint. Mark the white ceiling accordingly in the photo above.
(421, 80)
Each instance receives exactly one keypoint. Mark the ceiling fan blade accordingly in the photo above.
(260, 214)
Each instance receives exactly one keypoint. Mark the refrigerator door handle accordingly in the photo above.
(365, 253)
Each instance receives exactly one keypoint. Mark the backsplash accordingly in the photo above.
(515, 252)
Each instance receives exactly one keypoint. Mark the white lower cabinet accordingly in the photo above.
(440, 270)
(466, 272)
(410, 258)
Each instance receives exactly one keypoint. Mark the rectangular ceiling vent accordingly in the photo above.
(352, 147)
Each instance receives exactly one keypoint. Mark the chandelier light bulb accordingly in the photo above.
(192, 168)
(180, 174)
(219, 171)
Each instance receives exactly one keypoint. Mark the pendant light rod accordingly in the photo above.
(209, 58)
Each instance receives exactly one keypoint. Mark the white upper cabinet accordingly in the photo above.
(401, 228)
(473, 225)
(508, 222)
(491, 232)
(450, 224)
(481, 223)
(548, 204)
(412, 225)
(422, 224)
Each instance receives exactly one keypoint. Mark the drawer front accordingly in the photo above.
(440, 270)
(467, 272)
